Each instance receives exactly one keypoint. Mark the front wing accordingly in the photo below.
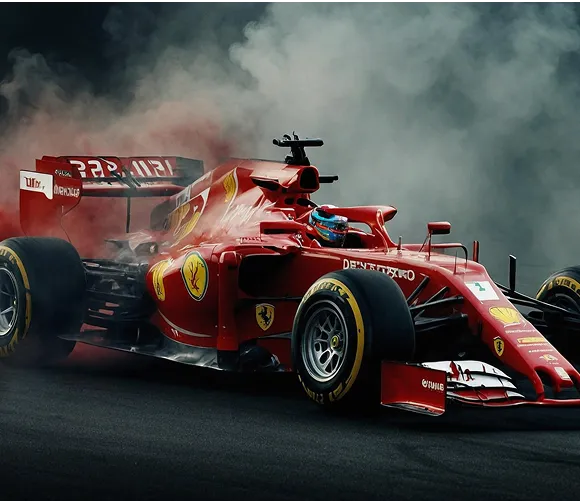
(426, 387)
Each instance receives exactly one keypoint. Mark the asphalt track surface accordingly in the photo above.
(117, 426)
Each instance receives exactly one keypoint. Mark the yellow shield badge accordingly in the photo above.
(230, 185)
(507, 316)
(195, 275)
(264, 315)
(157, 278)
(499, 345)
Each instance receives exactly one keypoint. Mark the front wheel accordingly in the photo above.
(563, 289)
(347, 322)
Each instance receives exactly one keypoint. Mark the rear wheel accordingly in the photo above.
(347, 322)
(42, 291)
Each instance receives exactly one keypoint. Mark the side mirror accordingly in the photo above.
(439, 228)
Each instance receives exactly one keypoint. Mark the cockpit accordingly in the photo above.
(347, 227)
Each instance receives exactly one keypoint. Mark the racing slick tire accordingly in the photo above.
(346, 323)
(562, 288)
(42, 291)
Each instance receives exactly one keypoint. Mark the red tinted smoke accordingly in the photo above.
(172, 129)
(9, 223)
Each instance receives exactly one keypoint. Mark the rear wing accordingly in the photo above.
(125, 176)
(59, 183)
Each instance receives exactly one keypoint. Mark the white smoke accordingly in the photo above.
(445, 111)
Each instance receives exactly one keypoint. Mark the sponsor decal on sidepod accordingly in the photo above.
(392, 272)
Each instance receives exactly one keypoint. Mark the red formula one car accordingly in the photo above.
(238, 269)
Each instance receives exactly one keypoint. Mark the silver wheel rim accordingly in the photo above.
(8, 301)
(324, 344)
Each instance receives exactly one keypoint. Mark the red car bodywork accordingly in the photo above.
(237, 255)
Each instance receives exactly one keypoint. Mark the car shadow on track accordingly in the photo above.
(99, 364)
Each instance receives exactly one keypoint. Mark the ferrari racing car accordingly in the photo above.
(238, 269)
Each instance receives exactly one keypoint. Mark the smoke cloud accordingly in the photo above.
(456, 112)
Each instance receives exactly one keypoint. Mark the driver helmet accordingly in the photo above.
(330, 228)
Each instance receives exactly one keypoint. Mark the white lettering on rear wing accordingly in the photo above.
(140, 167)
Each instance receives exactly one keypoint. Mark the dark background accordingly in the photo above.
(76, 34)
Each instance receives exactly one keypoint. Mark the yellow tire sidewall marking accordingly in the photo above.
(561, 281)
(339, 287)
(13, 258)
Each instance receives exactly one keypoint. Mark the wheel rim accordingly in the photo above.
(323, 344)
(8, 301)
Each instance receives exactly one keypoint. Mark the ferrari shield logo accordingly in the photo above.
(183, 220)
(195, 275)
(499, 346)
(507, 316)
(176, 217)
(230, 185)
(157, 278)
(264, 315)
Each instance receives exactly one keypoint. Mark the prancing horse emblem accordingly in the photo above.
(499, 345)
(264, 315)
